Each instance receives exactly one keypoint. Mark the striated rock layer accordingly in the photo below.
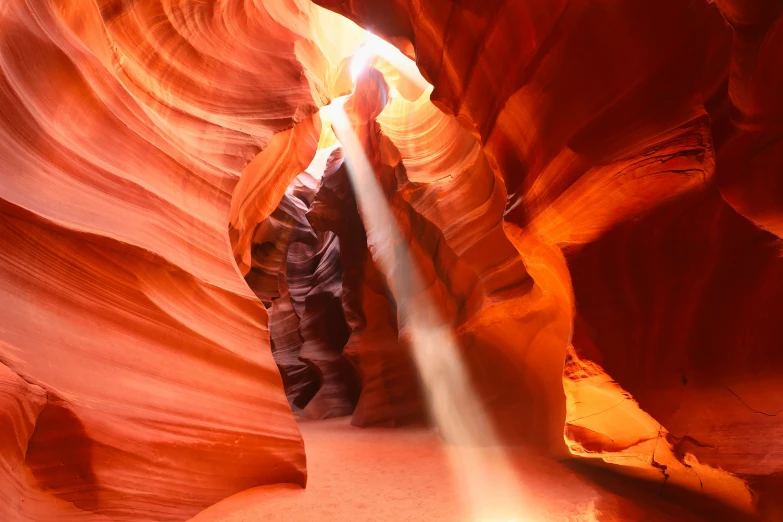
(625, 164)
(388, 381)
(297, 271)
(137, 378)
(591, 192)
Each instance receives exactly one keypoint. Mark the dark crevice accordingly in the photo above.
(658, 465)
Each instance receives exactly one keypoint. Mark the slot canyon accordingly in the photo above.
(391, 260)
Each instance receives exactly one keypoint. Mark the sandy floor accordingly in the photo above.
(404, 474)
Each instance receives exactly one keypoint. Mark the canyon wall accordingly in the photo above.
(638, 143)
(590, 191)
(137, 381)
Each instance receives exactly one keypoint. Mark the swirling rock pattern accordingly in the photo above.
(701, 280)
(296, 270)
(389, 395)
(22, 405)
(325, 333)
(592, 138)
(450, 204)
(590, 191)
(124, 127)
(752, 156)
(268, 278)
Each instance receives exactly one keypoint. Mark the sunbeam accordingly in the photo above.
(480, 465)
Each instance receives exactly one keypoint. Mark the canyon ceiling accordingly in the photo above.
(592, 192)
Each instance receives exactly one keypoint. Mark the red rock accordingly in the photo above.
(123, 131)
(591, 136)
(590, 194)
(390, 394)
(23, 493)
(297, 271)
(698, 279)
(752, 158)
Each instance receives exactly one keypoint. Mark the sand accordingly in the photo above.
(404, 474)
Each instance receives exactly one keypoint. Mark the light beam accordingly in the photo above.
(481, 466)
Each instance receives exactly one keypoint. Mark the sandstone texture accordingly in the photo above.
(590, 192)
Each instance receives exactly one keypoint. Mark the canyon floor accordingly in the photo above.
(404, 474)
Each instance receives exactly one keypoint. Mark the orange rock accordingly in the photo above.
(124, 128)
(590, 192)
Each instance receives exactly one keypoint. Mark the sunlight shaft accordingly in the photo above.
(481, 466)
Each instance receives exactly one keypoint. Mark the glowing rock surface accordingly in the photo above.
(590, 192)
